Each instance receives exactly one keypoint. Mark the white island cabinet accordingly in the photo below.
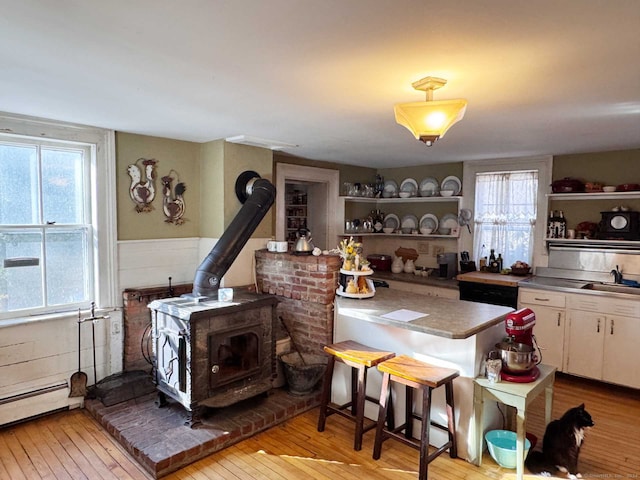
(451, 333)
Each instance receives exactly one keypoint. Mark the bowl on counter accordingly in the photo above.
(609, 188)
(446, 193)
(404, 194)
(388, 229)
(520, 271)
(426, 230)
(444, 231)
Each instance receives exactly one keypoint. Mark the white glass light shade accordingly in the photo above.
(429, 121)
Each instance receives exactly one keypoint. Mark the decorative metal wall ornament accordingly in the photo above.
(142, 192)
(173, 201)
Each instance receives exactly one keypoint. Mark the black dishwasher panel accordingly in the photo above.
(487, 293)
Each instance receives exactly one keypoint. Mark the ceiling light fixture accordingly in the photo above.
(429, 121)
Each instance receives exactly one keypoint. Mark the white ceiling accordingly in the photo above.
(540, 76)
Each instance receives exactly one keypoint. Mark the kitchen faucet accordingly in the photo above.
(617, 275)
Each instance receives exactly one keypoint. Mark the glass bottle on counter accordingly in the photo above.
(493, 264)
(499, 260)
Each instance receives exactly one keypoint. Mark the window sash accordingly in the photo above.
(97, 222)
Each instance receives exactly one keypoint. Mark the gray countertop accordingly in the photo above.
(431, 280)
(444, 317)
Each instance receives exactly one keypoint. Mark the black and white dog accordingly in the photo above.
(561, 444)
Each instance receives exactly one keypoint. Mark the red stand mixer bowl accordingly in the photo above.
(517, 358)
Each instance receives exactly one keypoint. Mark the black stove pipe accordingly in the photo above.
(260, 195)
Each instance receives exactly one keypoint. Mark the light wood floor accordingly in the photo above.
(71, 445)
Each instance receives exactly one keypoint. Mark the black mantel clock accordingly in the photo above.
(620, 226)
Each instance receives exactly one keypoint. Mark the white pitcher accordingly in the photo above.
(397, 266)
(409, 267)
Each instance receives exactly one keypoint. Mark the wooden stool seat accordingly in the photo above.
(360, 358)
(415, 374)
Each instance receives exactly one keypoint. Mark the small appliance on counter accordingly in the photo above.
(304, 244)
(518, 350)
(447, 264)
(379, 262)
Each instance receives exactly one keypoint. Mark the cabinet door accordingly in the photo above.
(549, 333)
(621, 353)
(586, 344)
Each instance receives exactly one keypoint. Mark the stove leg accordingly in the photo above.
(161, 401)
(193, 417)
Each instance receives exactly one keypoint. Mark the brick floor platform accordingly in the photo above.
(158, 439)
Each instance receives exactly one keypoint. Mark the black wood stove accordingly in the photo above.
(209, 353)
(215, 353)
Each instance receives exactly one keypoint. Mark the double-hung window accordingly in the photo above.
(53, 228)
(508, 199)
(506, 210)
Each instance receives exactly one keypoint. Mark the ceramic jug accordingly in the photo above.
(397, 266)
(409, 266)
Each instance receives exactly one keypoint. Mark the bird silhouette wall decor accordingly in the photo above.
(142, 191)
(173, 204)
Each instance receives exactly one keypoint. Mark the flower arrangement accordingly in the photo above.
(351, 253)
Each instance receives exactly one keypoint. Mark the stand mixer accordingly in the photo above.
(519, 360)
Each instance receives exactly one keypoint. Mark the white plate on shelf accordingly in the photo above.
(391, 221)
(451, 183)
(409, 185)
(390, 189)
(429, 220)
(449, 220)
(409, 221)
(429, 187)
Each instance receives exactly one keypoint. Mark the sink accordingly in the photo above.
(612, 287)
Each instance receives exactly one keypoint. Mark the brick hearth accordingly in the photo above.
(158, 439)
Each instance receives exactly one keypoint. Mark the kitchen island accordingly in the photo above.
(449, 333)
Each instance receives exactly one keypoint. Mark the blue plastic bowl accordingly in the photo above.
(502, 447)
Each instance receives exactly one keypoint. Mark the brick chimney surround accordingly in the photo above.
(306, 287)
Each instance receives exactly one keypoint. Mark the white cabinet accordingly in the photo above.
(621, 351)
(587, 335)
(585, 354)
(549, 330)
(603, 339)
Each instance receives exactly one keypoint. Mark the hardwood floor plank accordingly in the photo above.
(45, 442)
(8, 461)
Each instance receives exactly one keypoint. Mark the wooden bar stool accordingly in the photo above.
(419, 375)
(360, 358)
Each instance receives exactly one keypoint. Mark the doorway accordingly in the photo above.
(308, 197)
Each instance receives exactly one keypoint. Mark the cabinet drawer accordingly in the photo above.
(609, 306)
(542, 297)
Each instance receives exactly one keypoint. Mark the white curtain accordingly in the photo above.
(505, 215)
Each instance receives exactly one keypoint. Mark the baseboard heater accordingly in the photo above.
(36, 402)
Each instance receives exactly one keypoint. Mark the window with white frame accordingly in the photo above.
(505, 217)
(55, 233)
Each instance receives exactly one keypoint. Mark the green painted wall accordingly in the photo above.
(237, 159)
(212, 191)
(183, 158)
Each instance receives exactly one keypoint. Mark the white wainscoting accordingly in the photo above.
(39, 356)
(150, 263)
